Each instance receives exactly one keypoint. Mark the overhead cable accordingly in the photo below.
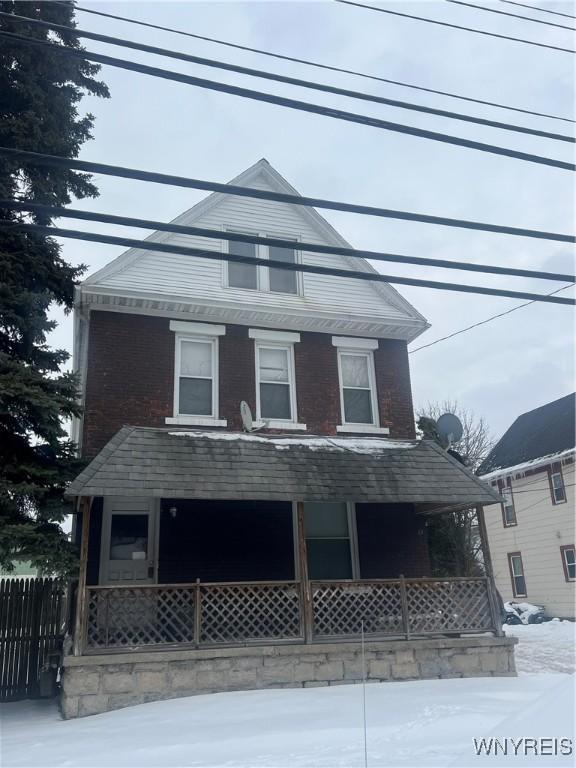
(148, 245)
(455, 26)
(278, 197)
(484, 322)
(304, 106)
(329, 250)
(513, 15)
(325, 88)
(537, 8)
(318, 64)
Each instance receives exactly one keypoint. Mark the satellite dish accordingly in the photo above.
(449, 428)
(246, 414)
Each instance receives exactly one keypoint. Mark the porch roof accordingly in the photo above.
(171, 463)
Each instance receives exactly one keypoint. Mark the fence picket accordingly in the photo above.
(30, 630)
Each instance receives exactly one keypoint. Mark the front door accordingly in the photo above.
(128, 554)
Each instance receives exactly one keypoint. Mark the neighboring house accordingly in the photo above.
(212, 559)
(22, 570)
(532, 533)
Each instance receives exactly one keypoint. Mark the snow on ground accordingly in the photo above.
(545, 647)
(422, 723)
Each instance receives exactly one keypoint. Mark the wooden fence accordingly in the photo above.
(31, 612)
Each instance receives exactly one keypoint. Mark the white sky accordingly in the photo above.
(500, 370)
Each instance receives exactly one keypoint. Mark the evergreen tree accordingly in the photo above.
(40, 91)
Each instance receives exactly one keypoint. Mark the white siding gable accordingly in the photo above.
(187, 280)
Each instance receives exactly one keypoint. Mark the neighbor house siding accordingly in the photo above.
(542, 528)
(130, 378)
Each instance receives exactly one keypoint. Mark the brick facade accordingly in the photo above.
(130, 378)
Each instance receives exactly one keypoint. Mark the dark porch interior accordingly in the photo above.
(238, 541)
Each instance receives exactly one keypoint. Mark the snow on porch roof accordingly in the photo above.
(169, 463)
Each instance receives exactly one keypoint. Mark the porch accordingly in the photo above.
(218, 561)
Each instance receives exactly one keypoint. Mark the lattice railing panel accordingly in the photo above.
(340, 609)
(458, 605)
(131, 617)
(239, 613)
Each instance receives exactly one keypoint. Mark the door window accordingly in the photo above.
(129, 537)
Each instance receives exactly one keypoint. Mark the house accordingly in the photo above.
(214, 558)
(532, 532)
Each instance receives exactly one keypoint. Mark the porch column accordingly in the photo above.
(80, 621)
(494, 602)
(305, 587)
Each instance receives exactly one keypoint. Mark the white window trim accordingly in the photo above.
(566, 564)
(197, 329)
(281, 337)
(262, 252)
(362, 429)
(352, 537)
(278, 423)
(209, 335)
(348, 426)
(349, 342)
(560, 488)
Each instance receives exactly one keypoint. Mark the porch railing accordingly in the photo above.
(228, 614)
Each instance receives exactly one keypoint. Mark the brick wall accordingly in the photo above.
(130, 378)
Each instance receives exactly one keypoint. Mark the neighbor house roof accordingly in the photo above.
(170, 463)
(545, 432)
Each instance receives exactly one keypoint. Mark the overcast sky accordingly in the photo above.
(499, 370)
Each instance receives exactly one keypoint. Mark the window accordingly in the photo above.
(196, 373)
(517, 574)
(357, 387)
(568, 554)
(242, 275)
(281, 280)
(275, 372)
(508, 510)
(262, 276)
(328, 541)
(557, 486)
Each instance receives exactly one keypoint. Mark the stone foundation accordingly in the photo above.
(95, 684)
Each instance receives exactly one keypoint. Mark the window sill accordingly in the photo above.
(287, 425)
(196, 421)
(362, 429)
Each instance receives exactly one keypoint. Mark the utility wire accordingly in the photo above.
(483, 322)
(319, 65)
(513, 15)
(323, 87)
(376, 277)
(532, 7)
(303, 106)
(454, 26)
(279, 197)
(329, 250)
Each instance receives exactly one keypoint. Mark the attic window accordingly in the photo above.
(262, 277)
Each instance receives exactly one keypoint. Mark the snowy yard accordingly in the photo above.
(428, 723)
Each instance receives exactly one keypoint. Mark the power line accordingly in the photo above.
(325, 88)
(303, 106)
(455, 26)
(329, 250)
(377, 277)
(483, 322)
(319, 65)
(513, 15)
(534, 8)
(279, 197)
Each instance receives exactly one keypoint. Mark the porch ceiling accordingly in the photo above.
(172, 463)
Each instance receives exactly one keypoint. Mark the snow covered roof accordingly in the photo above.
(526, 465)
(535, 436)
(170, 463)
